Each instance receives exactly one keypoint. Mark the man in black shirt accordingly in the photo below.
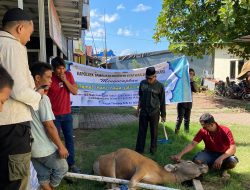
(151, 105)
(184, 109)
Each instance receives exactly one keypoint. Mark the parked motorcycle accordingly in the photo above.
(245, 91)
(238, 91)
(219, 88)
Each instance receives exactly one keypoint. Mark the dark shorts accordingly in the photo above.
(208, 158)
(15, 147)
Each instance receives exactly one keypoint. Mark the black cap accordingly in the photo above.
(15, 14)
(207, 118)
(150, 71)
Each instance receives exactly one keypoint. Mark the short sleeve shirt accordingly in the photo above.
(219, 141)
(42, 146)
(60, 95)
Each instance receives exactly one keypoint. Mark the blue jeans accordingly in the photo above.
(50, 169)
(207, 157)
(65, 122)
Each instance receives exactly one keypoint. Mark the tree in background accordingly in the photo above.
(197, 27)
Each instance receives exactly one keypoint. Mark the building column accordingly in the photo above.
(236, 68)
(20, 4)
(42, 34)
(54, 50)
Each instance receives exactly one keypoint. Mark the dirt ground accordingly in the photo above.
(224, 110)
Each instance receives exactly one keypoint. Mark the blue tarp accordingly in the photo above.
(110, 53)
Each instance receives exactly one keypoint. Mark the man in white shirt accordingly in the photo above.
(15, 138)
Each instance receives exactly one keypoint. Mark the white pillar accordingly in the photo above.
(61, 55)
(54, 50)
(20, 4)
(236, 68)
(42, 34)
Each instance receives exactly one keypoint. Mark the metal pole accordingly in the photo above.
(54, 50)
(116, 180)
(42, 34)
(20, 4)
(105, 41)
(67, 42)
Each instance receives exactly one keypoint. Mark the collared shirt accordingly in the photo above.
(218, 141)
(152, 98)
(59, 94)
(13, 57)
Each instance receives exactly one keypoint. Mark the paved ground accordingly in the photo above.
(226, 111)
(102, 120)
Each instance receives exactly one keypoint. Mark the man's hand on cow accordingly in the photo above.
(217, 163)
(176, 158)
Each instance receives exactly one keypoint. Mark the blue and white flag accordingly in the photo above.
(107, 87)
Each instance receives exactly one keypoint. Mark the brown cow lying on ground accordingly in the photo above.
(130, 165)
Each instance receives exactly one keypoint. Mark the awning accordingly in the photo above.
(69, 12)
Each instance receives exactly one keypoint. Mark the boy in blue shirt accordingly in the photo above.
(48, 152)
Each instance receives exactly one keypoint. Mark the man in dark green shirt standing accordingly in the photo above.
(151, 105)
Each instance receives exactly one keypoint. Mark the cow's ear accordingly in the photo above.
(170, 167)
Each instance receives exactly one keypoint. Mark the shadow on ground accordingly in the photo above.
(222, 102)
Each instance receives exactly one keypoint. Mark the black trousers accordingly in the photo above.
(183, 111)
(153, 121)
(14, 139)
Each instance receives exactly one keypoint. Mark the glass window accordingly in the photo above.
(232, 69)
(240, 65)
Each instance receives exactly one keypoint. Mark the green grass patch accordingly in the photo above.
(89, 144)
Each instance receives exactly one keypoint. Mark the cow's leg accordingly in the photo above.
(107, 168)
(136, 178)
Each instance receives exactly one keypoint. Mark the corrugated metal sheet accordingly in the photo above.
(69, 12)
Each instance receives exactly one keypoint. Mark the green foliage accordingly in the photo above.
(197, 81)
(196, 28)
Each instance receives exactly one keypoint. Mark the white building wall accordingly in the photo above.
(222, 61)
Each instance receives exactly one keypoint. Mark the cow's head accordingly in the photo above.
(186, 170)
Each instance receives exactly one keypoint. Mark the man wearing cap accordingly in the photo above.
(151, 105)
(219, 145)
(15, 138)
